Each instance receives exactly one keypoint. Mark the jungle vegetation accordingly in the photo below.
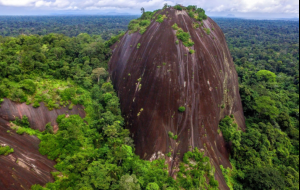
(97, 152)
(266, 56)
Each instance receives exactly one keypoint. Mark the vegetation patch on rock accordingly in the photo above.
(181, 109)
(6, 150)
(185, 38)
(161, 18)
(196, 13)
(141, 24)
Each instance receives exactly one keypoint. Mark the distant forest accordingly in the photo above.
(70, 26)
(270, 45)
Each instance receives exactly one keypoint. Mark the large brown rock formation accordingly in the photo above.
(26, 166)
(205, 82)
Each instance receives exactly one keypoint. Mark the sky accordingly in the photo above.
(238, 8)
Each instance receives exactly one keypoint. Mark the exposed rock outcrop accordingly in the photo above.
(154, 80)
(26, 166)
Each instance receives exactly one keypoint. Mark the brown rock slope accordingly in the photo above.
(26, 166)
(205, 82)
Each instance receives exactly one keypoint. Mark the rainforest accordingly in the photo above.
(66, 96)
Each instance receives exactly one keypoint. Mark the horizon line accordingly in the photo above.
(128, 14)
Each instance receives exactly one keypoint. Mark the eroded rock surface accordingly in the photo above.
(26, 166)
(154, 80)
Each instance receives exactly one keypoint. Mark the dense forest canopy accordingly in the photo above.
(266, 55)
(97, 152)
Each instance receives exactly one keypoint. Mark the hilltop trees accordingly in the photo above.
(165, 6)
(141, 24)
(197, 13)
(178, 7)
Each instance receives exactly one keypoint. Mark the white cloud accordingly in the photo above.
(213, 6)
(61, 4)
(246, 6)
(18, 3)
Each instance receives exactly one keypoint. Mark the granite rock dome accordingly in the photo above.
(154, 74)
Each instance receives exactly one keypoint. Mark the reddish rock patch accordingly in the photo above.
(26, 166)
(38, 117)
(205, 82)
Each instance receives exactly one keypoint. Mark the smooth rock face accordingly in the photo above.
(205, 82)
(26, 166)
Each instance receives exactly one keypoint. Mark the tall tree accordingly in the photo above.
(98, 73)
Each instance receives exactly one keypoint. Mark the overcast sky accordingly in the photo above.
(239, 8)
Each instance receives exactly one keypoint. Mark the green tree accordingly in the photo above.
(100, 175)
(152, 186)
(264, 105)
(49, 128)
(264, 75)
(98, 72)
(129, 182)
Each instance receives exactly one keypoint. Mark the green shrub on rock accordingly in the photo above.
(192, 51)
(175, 26)
(36, 104)
(181, 109)
(6, 150)
(178, 7)
(160, 18)
(185, 38)
(207, 30)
